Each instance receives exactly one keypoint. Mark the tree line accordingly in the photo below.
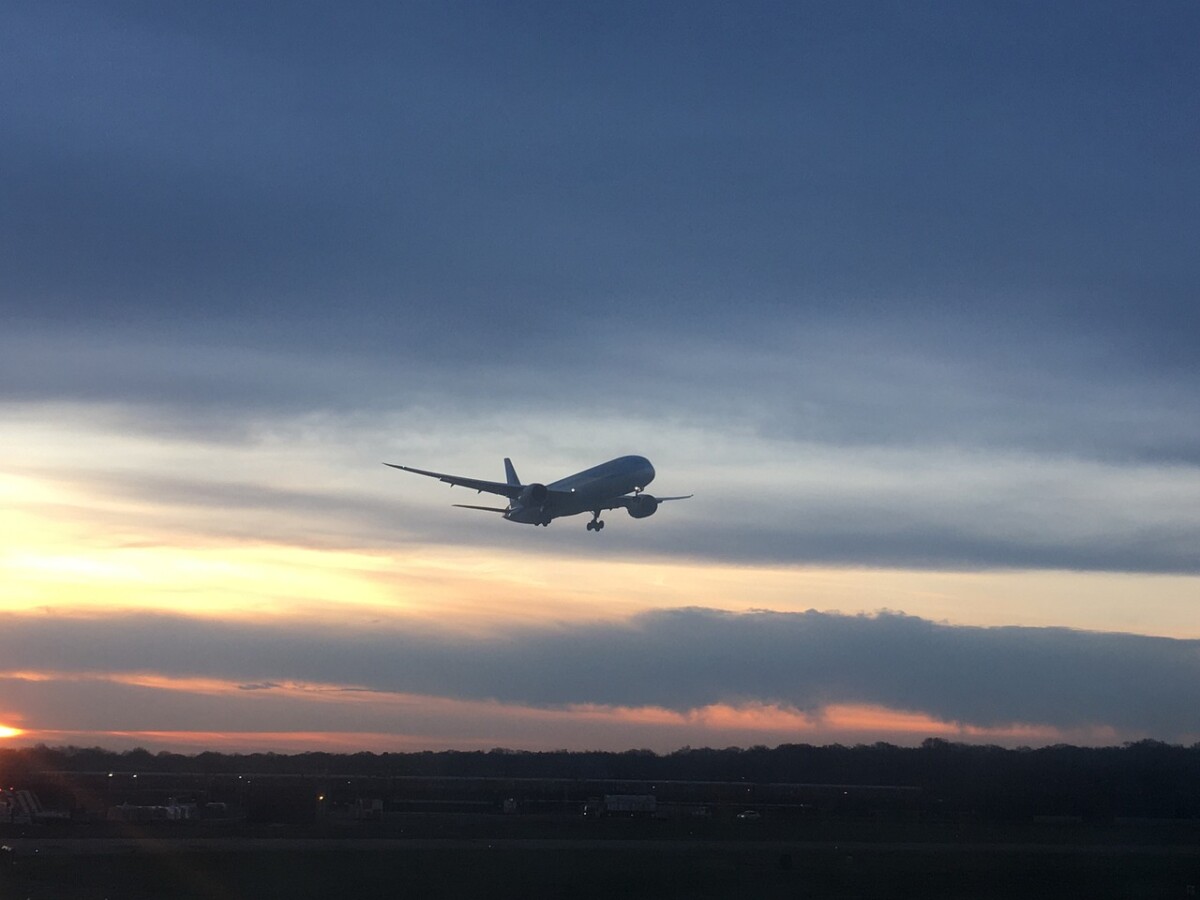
(1142, 779)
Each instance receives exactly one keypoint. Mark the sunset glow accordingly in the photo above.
(80, 565)
(372, 719)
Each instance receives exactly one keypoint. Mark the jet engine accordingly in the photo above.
(642, 505)
(533, 496)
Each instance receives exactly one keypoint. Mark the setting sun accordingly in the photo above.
(7, 732)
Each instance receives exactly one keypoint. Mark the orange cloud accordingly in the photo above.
(396, 721)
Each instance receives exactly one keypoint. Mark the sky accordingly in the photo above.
(904, 293)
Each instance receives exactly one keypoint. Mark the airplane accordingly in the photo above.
(616, 484)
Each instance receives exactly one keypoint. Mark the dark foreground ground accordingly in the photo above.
(134, 867)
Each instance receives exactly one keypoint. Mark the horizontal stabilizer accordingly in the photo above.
(484, 508)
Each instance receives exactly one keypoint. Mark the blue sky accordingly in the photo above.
(902, 292)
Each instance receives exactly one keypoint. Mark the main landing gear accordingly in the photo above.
(596, 524)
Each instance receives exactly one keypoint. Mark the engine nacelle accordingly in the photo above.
(642, 505)
(533, 496)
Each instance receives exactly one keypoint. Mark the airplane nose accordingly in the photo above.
(647, 474)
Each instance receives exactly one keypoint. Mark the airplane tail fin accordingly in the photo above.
(510, 472)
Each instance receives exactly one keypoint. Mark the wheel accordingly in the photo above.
(599, 524)
(591, 526)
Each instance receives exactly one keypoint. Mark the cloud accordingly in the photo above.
(259, 686)
(919, 383)
(677, 660)
(367, 180)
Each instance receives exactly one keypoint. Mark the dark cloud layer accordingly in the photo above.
(681, 660)
(367, 176)
(894, 384)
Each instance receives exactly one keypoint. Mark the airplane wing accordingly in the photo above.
(630, 499)
(476, 484)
